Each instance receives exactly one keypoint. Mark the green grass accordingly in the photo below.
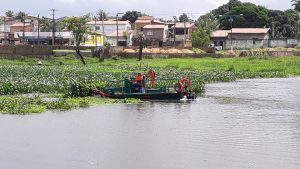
(22, 105)
(65, 76)
(289, 65)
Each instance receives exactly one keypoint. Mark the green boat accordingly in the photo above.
(176, 92)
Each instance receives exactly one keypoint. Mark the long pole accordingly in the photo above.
(103, 28)
(53, 26)
(231, 21)
(95, 32)
(5, 37)
(38, 29)
(117, 30)
(23, 31)
(184, 32)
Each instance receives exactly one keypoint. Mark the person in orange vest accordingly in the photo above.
(151, 77)
(138, 79)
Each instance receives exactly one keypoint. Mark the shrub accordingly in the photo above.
(200, 38)
(297, 47)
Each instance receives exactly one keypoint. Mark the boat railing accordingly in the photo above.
(160, 86)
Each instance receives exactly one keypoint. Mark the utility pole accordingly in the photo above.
(231, 25)
(96, 43)
(23, 31)
(53, 25)
(38, 29)
(102, 28)
(5, 37)
(184, 32)
(117, 28)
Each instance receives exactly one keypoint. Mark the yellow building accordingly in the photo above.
(93, 40)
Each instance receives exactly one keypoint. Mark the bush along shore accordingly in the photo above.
(72, 82)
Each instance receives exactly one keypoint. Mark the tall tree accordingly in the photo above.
(208, 22)
(226, 7)
(21, 16)
(253, 16)
(77, 25)
(101, 15)
(9, 13)
(131, 16)
(296, 4)
(183, 18)
(284, 24)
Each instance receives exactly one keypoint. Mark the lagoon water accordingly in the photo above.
(248, 124)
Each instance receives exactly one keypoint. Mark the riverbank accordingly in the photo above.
(38, 103)
(68, 77)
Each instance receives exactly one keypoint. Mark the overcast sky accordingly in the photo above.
(158, 8)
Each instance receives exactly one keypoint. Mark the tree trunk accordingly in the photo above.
(141, 52)
(80, 56)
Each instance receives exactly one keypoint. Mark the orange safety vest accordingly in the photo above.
(151, 74)
(138, 78)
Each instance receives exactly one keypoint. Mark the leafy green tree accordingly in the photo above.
(131, 16)
(296, 4)
(284, 24)
(208, 22)
(47, 23)
(253, 16)
(9, 13)
(200, 38)
(21, 16)
(183, 18)
(226, 7)
(77, 25)
(102, 15)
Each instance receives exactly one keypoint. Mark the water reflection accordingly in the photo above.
(248, 124)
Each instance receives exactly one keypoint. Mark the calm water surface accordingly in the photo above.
(249, 124)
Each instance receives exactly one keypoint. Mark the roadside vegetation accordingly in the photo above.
(71, 82)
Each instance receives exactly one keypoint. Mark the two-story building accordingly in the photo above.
(183, 30)
(110, 27)
(142, 21)
(156, 33)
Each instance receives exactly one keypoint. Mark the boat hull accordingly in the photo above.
(148, 96)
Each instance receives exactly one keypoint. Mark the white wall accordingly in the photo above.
(109, 28)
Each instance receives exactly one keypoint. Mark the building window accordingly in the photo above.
(97, 28)
(149, 33)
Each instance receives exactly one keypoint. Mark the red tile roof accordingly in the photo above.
(219, 33)
(183, 25)
(109, 22)
(143, 21)
(19, 24)
(250, 30)
(154, 27)
(146, 18)
(224, 33)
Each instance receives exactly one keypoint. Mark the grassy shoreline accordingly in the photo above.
(22, 104)
(66, 75)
